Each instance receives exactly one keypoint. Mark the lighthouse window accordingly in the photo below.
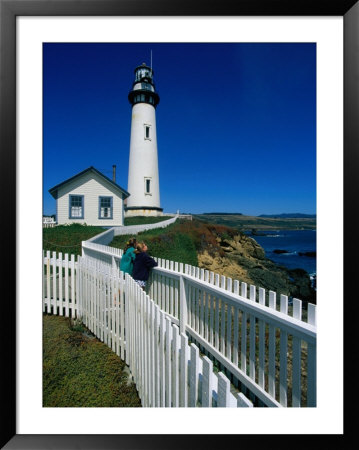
(105, 208)
(148, 186)
(147, 132)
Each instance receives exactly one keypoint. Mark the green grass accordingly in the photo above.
(67, 238)
(168, 243)
(81, 371)
(141, 220)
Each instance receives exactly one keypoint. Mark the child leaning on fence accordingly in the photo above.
(142, 265)
(128, 257)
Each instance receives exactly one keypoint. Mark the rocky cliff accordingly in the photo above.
(241, 257)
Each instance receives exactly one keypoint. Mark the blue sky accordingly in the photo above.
(236, 123)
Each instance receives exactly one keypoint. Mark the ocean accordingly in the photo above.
(293, 242)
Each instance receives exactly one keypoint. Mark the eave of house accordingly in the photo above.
(53, 191)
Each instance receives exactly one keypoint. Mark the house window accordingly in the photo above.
(76, 207)
(147, 186)
(147, 132)
(105, 208)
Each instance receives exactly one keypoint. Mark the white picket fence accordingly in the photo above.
(59, 284)
(48, 222)
(167, 370)
(252, 337)
(265, 345)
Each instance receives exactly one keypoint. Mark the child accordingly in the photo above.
(142, 265)
(128, 257)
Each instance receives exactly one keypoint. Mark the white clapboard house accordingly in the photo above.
(89, 197)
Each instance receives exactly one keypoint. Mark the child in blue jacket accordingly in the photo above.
(142, 265)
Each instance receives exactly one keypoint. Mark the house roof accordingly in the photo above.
(53, 191)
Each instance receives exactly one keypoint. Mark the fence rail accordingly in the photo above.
(107, 236)
(134, 229)
(167, 369)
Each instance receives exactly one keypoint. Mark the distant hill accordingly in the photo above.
(222, 214)
(289, 216)
(249, 223)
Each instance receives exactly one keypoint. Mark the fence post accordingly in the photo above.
(243, 401)
(183, 307)
(78, 296)
(312, 362)
(127, 300)
(223, 391)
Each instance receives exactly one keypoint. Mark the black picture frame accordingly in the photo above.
(9, 10)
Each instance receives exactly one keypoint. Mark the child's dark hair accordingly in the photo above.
(130, 243)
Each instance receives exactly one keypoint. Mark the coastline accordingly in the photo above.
(290, 248)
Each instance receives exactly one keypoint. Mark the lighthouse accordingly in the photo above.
(143, 178)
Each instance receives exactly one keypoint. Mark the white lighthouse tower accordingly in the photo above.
(143, 179)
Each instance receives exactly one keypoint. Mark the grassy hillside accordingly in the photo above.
(179, 242)
(182, 241)
(68, 238)
(140, 220)
(244, 223)
(81, 371)
(173, 243)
